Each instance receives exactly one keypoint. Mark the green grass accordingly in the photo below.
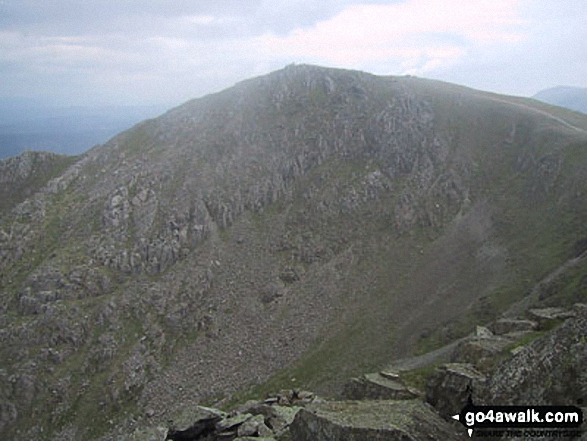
(417, 378)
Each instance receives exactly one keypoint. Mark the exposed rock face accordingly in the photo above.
(546, 316)
(196, 424)
(550, 370)
(547, 371)
(319, 216)
(277, 418)
(506, 326)
(372, 420)
(451, 386)
(23, 175)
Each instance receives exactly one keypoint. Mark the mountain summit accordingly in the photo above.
(298, 229)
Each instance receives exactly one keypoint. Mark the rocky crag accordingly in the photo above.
(503, 363)
(293, 231)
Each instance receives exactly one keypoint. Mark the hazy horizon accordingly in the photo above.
(155, 55)
(67, 53)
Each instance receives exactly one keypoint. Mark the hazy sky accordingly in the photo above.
(78, 52)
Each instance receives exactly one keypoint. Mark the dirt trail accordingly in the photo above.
(529, 301)
(541, 112)
(440, 355)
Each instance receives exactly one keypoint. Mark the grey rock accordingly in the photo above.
(409, 420)
(278, 418)
(251, 426)
(482, 331)
(264, 431)
(377, 387)
(389, 375)
(546, 316)
(196, 421)
(451, 385)
(251, 406)
(549, 370)
(476, 349)
(233, 421)
(508, 326)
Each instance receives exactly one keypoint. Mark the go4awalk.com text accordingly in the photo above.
(521, 421)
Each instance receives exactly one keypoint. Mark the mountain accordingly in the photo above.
(574, 98)
(295, 230)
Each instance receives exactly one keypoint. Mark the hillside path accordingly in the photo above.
(541, 112)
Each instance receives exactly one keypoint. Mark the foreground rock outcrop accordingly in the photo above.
(378, 386)
(264, 420)
(550, 370)
(383, 406)
(381, 420)
(451, 385)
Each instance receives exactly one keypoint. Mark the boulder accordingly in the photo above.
(277, 418)
(232, 422)
(475, 349)
(482, 331)
(264, 432)
(251, 426)
(508, 326)
(381, 420)
(378, 386)
(194, 423)
(250, 406)
(547, 316)
(450, 386)
(291, 397)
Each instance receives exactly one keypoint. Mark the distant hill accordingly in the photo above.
(574, 98)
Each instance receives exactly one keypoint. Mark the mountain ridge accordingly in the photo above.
(311, 224)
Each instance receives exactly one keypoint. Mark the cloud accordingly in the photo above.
(160, 51)
(418, 35)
